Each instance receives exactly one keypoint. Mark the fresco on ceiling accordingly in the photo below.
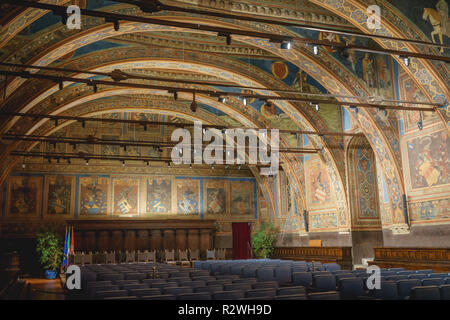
(429, 160)
(125, 196)
(59, 195)
(93, 196)
(159, 195)
(188, 192)
(216, 197)
(24, 197)
(58, 147)
(242, 198)
(144, 116)
(110, 150)
(430, 16)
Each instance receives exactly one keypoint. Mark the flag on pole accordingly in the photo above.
(72, 243)
(64, 264)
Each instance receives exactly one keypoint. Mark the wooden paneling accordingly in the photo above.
(437, 259)
(143, 234)
(340, 255)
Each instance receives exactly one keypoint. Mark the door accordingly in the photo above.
(242, 248)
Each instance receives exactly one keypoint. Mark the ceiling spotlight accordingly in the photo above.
(222, 99)
(95, 88)
(315, 105)
(194, 105)
(226, 167)
(83, 124)
(175, 95)
(87, 162)
(316, 49)
(61, 85)
(49, 160)
(244, 101)
(147, 163)
(123, 163)
(168, 164)
(68, 161)
(181, 151)
(420, 125)
(287, 45)
(239, 167)
(228, 39)
(406, 60)
(116, 25)
(190, 166)
(23, 165)
(57, 160)
(212, 167)
(354, 108)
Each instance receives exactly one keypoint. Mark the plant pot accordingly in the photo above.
(51, 274)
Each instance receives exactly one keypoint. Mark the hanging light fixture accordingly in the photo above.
(194, 105)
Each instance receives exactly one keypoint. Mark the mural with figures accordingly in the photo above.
(319, 186)
(59, 190)
(125, 196)
(159, 195)
(216, 197)
(93, 196)
(24, 197)
(428, 160)
(188, 194)
(242, 198)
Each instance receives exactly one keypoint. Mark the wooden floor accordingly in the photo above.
(42, 289)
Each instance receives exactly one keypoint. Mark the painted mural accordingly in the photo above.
(319, 183)
(159, 195)
(428, 160)
(24, 197)
(125, 196)
(216, 197)
(323, 221)
(188, 191)
(60, 195)
(242, 198)
(93, 196)
(110, 150)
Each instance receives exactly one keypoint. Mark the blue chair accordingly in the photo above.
(396, 269)
(265, 284)
(292, 297)
(331, 295)
(324, 282)
(265, 274)
(388, 291)
(447, 280)
(209, 289)
(405, 272)
(245, 280)
(261, 293)
(331, 267)
(110, 276)
(344, 276)
(177, 290)
(433, 282)
(164, 285)
(237, 269)
(134, 286)
(237, 286)
(125, 282)
(196, 283)
(249, 272)
(302, 279)
(145, 292)
(425, 293)
(283, 275)
(426, 271)
(286, 291)
(228, 295)
(110, 293)
(445, 291)
(397, 277)
(135, 276)
(437, 275)
(351, 288)
(93, 290)
(194, 296)
(160, 297)
(417, 276)
(404, 287)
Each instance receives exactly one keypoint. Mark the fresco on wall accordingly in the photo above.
(24, 196)
(188, 197)
(59, 195)
(110, 150)
(429, 160)
(93, 196)
(319, 183)
(323, 220)
(216, 197)
(366, 182)
(159, 195)
(144, 116)
(435, 210)
(242, 198)
(125, 196)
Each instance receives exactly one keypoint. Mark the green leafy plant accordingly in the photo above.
(49, 246)
(263, 240)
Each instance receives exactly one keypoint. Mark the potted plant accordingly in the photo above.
(263, 240)
(49, 248)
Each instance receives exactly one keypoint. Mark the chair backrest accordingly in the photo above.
(432, 282)
(228, 295)
(329, 295)
(351, 288)
(183, 255)
(287, 291)
(325, 282)
(78, 258)
(302, 279)
(388, 291)
(265, 274)
(111, 257)
(210, 254)
(445, 292)
(261, 293)
(404, 287)
(194, 296)
(194, 254)
(283, 274)
(151, 256)
(130, 256)
(169, 255)
(87, 258)
(425, 293)
(220, 254)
